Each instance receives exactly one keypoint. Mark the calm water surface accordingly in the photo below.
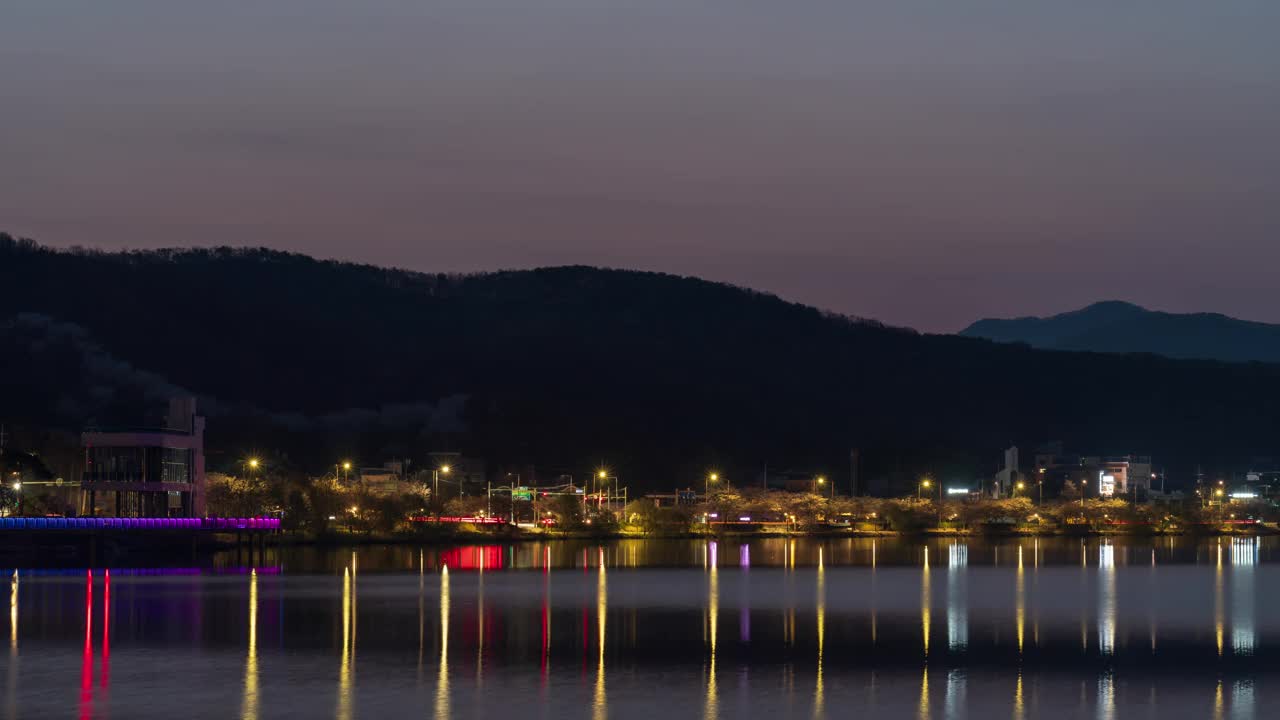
(1168, 628)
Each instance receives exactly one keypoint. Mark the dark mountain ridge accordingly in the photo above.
(1120, 327)
(661, 377)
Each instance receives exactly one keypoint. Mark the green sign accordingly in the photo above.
(521, 493)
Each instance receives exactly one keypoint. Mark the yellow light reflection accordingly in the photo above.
(818, 697)
(923, 709)
(249, 707)
(874, 604)
(1218, 610)
(600, 704)
(344, 667)
(926, 600)
(442, 679)
(711, 709)
(1019, 707)
(13, 614)
(1217, 702)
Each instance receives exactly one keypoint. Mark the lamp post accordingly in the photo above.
(435, 487)
(1084, 490)
(925, 484)
(17, 488)
(706, 486)
(1040, 483)
(1019, 487)
(604, 477)
(818, 482)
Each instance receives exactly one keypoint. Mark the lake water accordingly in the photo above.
(889, 628)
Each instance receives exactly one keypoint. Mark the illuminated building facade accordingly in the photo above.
(154, 472)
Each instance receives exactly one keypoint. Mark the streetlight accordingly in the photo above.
(925, 484)
(435, 486)
(1019, 487)
(604, 477)
(253, 463)
(820, 481)
(706, 486)
(1084, 489)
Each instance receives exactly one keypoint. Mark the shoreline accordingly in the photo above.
(95, 549)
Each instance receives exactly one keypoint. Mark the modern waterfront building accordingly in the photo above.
(1125, 476)
(152, 472)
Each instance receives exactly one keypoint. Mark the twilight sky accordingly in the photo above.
(922, 162)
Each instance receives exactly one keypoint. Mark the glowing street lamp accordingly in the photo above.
(706, 486)
(819, 481)
(603, 476)
(435, 485)
(925, 484)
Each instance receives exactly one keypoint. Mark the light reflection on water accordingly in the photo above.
(845, 633)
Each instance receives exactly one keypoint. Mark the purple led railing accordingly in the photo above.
(10, 523)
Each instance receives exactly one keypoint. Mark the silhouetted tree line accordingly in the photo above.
(659, 377)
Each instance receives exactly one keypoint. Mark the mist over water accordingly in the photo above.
(767, 628)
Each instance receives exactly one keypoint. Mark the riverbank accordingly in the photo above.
(107, 548)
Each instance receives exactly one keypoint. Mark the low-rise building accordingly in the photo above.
(1124, 476)
(146, 472)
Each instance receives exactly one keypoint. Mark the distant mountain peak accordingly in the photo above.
(1113, 305)
(1118, 326)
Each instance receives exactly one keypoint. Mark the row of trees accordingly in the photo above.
(319, 505)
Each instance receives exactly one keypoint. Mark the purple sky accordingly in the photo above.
(923, 162)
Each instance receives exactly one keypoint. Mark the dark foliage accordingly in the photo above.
(659, 376)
